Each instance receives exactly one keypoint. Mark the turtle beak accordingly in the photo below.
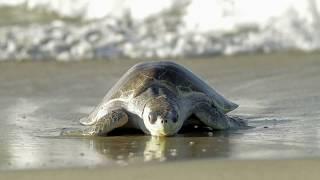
(162, 127)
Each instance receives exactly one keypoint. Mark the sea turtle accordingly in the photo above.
(158, 98)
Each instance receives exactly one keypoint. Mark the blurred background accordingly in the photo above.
(67, 30)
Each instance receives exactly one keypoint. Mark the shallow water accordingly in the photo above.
(278, 94)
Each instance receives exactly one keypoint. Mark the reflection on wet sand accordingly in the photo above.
(162, 149)
(147, 148)
(32, 141)
(155, 149)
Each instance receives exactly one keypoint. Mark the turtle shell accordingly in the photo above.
(138, 78)
(141, 76)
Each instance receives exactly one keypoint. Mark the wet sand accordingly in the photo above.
(278, 94)
(204, 169)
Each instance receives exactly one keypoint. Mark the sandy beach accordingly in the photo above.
(205, 169)
(278, 94)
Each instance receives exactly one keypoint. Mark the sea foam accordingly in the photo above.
(162, 29)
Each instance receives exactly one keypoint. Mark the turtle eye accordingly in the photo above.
(175, 118)
(152, 118)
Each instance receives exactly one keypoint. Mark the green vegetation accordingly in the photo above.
(12, 15)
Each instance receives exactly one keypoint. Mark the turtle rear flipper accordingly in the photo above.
(107, 123)
(229, 106)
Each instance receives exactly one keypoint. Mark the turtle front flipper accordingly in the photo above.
(112, 120)
(214, 118)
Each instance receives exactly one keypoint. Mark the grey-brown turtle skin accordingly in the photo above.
(158, 98)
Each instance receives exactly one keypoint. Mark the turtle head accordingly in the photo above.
(161, 116)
